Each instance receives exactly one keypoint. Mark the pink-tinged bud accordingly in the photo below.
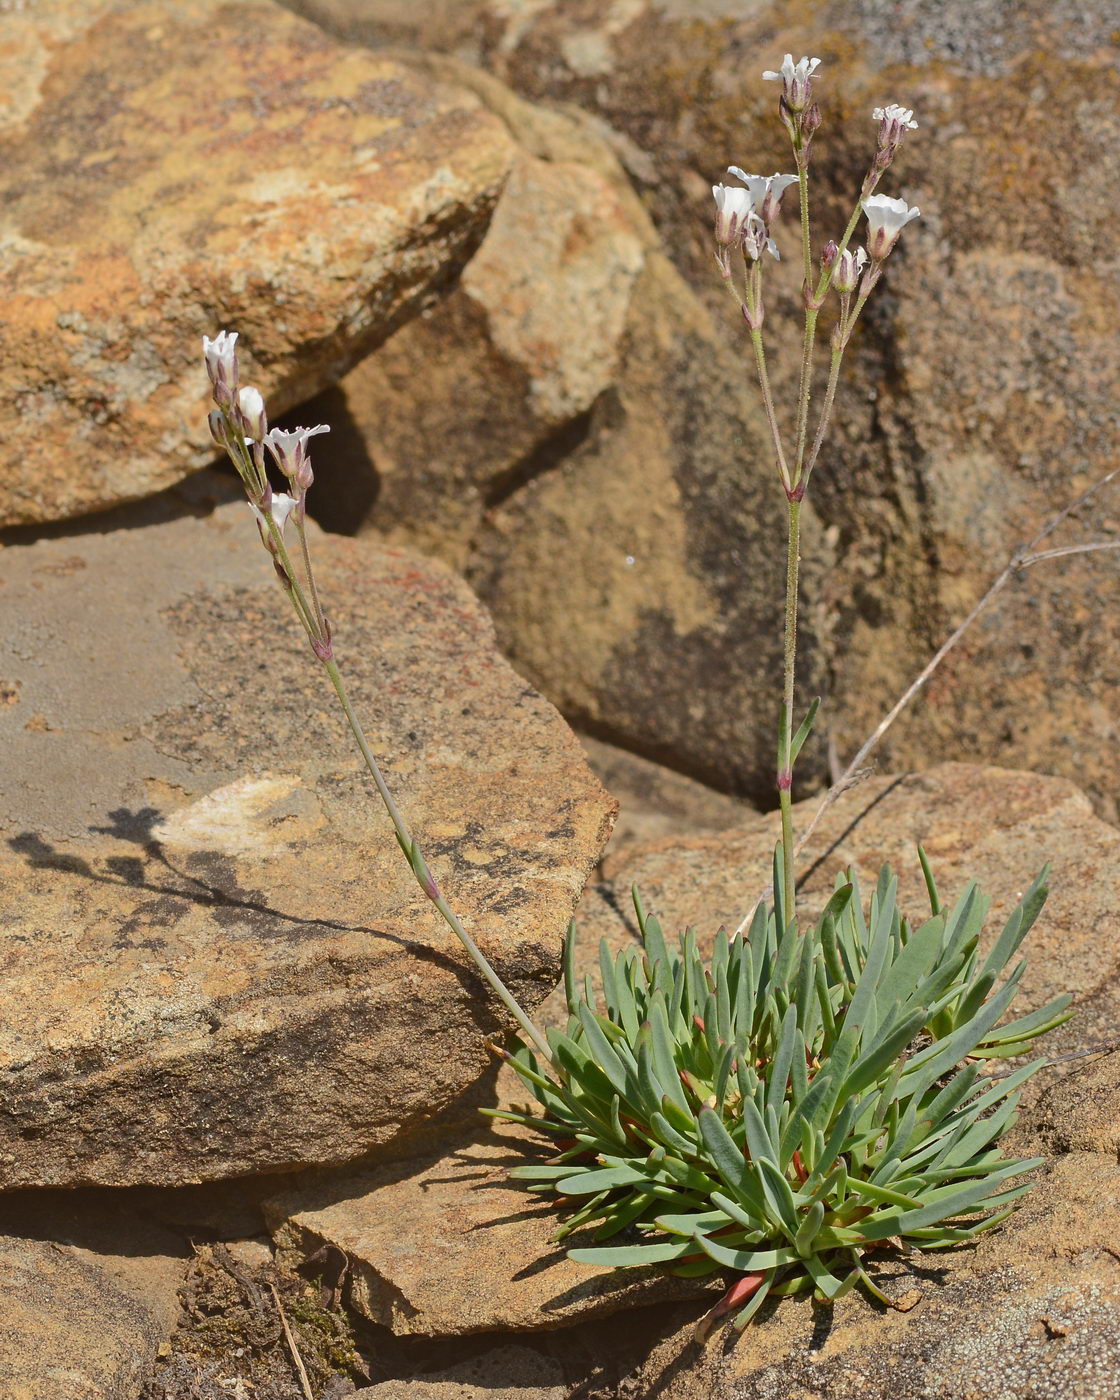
(250, 404)
(221, 358)
(886, 218)
(830, 254)
(219, 428)
(796, 80)
(810, 122)
(733, 208)
(849, 269)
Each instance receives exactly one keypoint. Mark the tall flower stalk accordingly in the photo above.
(852, 274)
(239, 425)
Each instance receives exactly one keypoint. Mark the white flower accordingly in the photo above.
(733, 208)
(886, 218)
(849, 267)
(251, 404)
(221, 357)
(893, 121)
(763, 186)
(904, 116)
(280, 508)
(289, 446)
(796, 80)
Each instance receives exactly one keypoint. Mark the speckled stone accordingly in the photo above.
(449, 1245)
(215, 960)
(89, 1297)
(167, 169)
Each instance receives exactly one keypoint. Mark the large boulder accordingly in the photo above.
(572, 430)
(979, 398)
(168, 169)
(216, 961)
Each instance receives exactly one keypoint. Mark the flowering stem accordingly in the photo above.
(315, 626)
(423, 874)
(803, 191)
(785, 760)
(840, 344)
(803, 394)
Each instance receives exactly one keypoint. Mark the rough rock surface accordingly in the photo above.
(981, 395)
(168, 169)
(216, 961)
(450, 1245)
(508, 1373)
(88, 1299)
(586, 449)
(1032, 1312)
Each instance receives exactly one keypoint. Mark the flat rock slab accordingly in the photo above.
(450, 1245)
(168, 169)
(87, 1301)
(507, 1373)
(215, 960)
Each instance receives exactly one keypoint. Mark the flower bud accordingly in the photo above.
(253, 420)
(849, 267)
(829, 256)
(219, 429)
(811, 121)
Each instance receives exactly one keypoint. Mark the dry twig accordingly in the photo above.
(292, 1347)
(1024, 557)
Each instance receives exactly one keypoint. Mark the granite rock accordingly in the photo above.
(168, 169)
(448, 1245)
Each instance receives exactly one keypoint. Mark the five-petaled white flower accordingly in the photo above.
(893, 121)
(733, 208)
(280, 507)
(221, 357)
(763, 186)
(289, 446)
(886, 218)
(796, 80)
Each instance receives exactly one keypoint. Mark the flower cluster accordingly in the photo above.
(239, 425)
(744, 214)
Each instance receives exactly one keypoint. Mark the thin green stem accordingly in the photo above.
(433, 892)
(844, 331)
(804, 389)
(785, 772)
(806, 245)
(753, 306)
